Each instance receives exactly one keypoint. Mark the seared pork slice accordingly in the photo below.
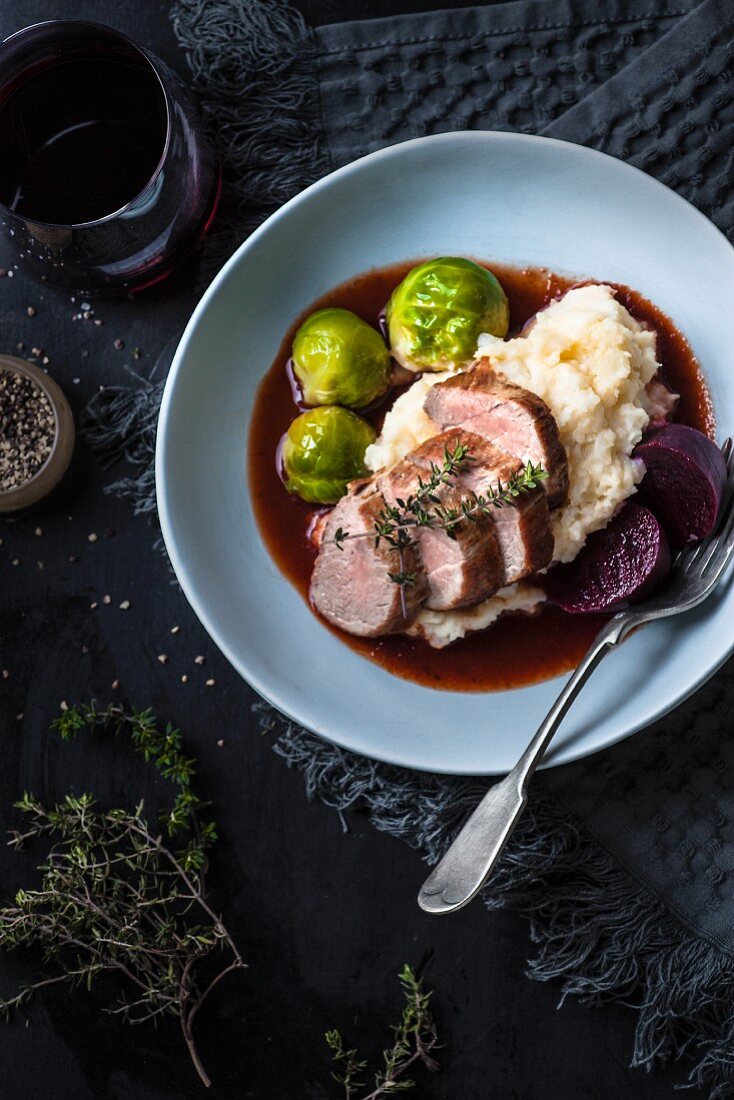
(351, 587)
(522, 529)
(460, 571)
(508, 416)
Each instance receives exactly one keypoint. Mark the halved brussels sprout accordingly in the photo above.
(323, 450)
(340, 360)
(436, 314)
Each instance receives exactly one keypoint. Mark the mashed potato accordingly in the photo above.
(443, 627)
(590, 361)
(406, 426)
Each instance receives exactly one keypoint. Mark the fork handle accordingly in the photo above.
(471, 858)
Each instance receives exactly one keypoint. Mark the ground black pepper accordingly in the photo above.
(27, 429)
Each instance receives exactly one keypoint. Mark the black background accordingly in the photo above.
(325, 918)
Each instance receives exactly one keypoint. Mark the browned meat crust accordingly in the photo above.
(509, 416)
(522, 529)
(462, 570)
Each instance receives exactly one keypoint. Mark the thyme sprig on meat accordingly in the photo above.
(424, 508)
(115, 898)
(415, 1039)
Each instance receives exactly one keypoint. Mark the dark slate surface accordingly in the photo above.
(324, 919)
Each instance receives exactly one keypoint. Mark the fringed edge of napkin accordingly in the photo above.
(254, 67)
(595, 930)
(120, 423)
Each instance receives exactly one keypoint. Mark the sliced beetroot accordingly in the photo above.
(623, 563)
(685, 478)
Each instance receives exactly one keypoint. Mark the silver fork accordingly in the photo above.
(471, 858)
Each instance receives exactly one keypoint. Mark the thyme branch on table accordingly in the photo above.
(114, 898)
(424, 508)
(415, 1037)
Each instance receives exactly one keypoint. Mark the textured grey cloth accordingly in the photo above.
(671, 112)
(625, 861)
(662, 804)
(515, 66)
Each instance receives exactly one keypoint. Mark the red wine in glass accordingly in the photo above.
(107, 180)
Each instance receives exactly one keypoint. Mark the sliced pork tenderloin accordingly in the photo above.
(462, 570)
(522, 529)
(506, 415)
(351, 586)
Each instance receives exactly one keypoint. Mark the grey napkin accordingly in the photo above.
(515, 66)
(625, 861)
(671, 112)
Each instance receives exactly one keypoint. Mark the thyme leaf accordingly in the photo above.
(414, 1039)
(114, 898)
(424, 508)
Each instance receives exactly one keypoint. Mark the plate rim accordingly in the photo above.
(266, 691)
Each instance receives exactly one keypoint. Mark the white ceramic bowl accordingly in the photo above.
(498, 196)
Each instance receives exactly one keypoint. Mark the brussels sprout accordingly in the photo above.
(436, 314)
(322, 450)
(340, 360)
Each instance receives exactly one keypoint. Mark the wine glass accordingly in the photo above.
(107, 178)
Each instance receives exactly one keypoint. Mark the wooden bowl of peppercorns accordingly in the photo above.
(36, 434)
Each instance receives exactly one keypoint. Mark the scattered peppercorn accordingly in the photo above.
(31, 311)
(119, 344)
